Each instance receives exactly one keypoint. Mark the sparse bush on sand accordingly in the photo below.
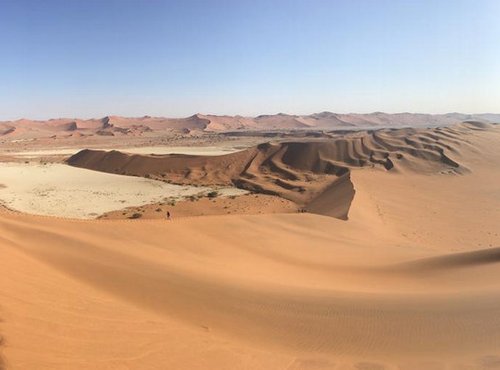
(213, 194)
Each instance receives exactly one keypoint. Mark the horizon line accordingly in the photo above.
(237, 115)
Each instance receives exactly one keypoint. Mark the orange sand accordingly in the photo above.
(410, 281)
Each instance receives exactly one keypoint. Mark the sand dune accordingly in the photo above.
(198, 123)
(274, 291)
(314, 174)
(410, 281)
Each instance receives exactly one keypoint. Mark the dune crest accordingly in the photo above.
(200, 123)
(409, 282)
(306, 292)
(315, 174)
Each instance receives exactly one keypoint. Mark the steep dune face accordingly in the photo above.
(260, 169)
(422, 150)
(177, 168)
(313, 174)
(410, 282)
(335, 200)
(419, 150)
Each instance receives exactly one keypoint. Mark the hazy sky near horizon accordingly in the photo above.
(90, 58)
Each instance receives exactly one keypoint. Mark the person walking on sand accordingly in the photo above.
(168, 215)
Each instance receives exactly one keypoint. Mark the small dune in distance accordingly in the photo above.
(328, 241)
(249, 185)
(147, 125)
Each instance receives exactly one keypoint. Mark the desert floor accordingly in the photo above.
(410, 281)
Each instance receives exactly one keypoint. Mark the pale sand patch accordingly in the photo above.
(65, 191)
(410, 281)
(202, 150)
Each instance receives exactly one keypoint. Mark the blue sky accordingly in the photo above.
(90, 58)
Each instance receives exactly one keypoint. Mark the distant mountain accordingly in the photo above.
(116, 125)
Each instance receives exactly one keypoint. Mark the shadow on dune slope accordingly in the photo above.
(314, 174)
(260, 169)
(454, 261)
